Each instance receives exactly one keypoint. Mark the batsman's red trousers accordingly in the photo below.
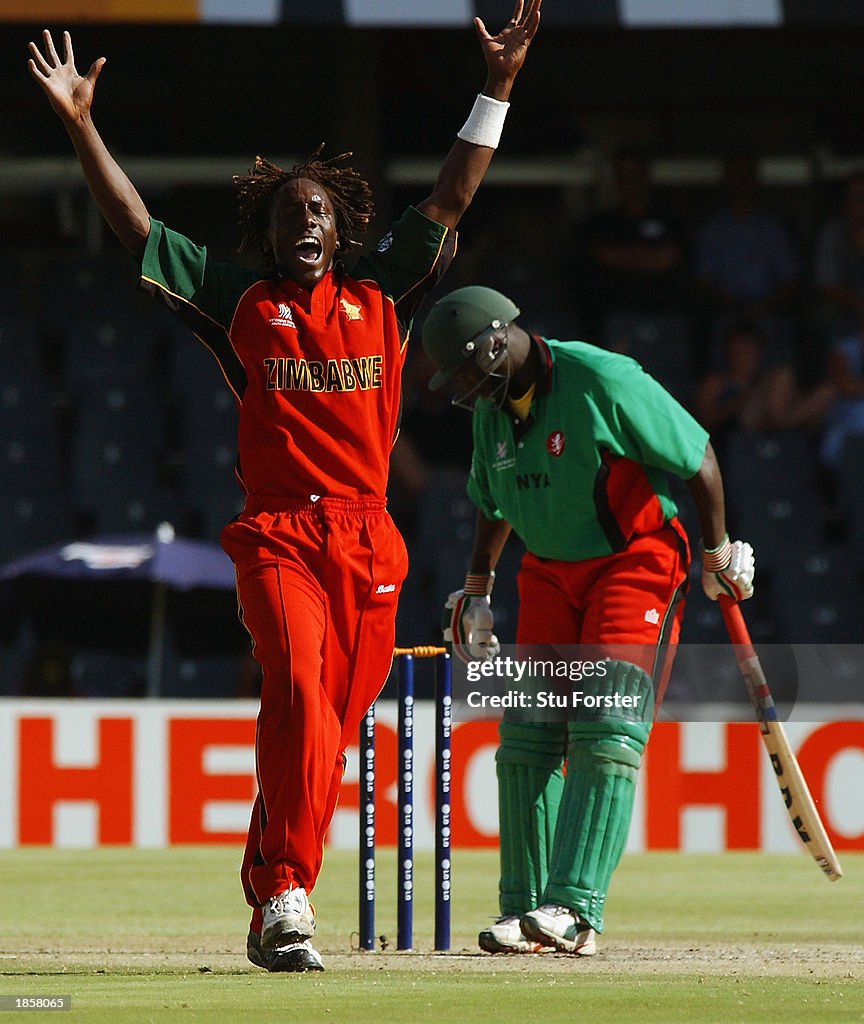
(318, 583)
(633, 597)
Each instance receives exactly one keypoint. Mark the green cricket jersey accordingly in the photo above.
(589, 468)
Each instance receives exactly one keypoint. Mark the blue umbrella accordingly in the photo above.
(165, 560)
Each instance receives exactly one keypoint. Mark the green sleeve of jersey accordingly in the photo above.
(652, 427)
(410, 259)
(478, 479)
(180, 272)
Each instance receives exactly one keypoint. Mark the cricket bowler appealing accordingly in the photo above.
(313, 355)
(607, 564)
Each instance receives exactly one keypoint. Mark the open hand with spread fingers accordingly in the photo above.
(505, 52)
(69, 93)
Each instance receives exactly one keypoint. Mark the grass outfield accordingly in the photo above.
(159, 936)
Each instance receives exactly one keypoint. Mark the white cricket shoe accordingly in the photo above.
(505, 936)
(560, 927)
(288, 918)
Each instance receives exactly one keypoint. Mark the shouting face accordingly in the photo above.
(303, 232)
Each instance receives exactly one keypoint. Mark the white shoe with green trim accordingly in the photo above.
(560, 927)
(505, 936)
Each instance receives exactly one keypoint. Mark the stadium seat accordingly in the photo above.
(444, 534)
(33, 519)
(117, 474)
(438, 551)
(850, 492)
(101, 351)
(206, 413)
(772, 497)
(27, 405)
(78, 282)
(777, 462)
(31, 456)
(12, 292)
(20, 349)
(105, 673)
(441, 551)
(209, 493)
(13, 667)
(34, 504)
(817, 596)
(216, 677)
(777, 526)
(418, 620)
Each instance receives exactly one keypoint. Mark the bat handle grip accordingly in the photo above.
(736, 627)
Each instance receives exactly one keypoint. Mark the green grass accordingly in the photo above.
(137, 936)
(365, 997)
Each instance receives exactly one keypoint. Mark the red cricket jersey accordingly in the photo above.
(317, 375)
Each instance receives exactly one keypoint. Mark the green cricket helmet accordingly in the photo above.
(461, 325)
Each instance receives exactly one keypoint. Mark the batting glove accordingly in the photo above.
(728, 569)
(468, 620)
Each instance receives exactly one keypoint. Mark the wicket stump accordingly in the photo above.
(405, 810)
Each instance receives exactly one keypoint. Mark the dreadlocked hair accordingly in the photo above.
(349, 193)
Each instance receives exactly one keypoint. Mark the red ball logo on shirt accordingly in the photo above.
(555, 443)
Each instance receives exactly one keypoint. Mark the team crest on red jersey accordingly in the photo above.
(351, 311)
(284, 317)
(555, 443)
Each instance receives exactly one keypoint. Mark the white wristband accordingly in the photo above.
(485, 122)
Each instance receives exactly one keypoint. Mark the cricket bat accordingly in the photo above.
(790, 778)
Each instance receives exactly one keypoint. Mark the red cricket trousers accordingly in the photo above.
(318, 583)
(633, 598)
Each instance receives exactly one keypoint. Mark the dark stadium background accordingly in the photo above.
(183, 106)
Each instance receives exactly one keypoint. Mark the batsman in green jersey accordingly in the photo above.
(573, 447)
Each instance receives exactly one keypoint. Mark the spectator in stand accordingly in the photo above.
(838, 272)
(745, 394)
(747, 266)
(632, 255)
(846, 413)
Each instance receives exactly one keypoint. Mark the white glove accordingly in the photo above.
(728, 569)
(468, 623)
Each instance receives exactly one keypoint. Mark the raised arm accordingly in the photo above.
(466, 163)
(71, 96)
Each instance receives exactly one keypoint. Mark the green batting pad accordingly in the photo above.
(603, 758)
(530, 782)
(541, 744)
